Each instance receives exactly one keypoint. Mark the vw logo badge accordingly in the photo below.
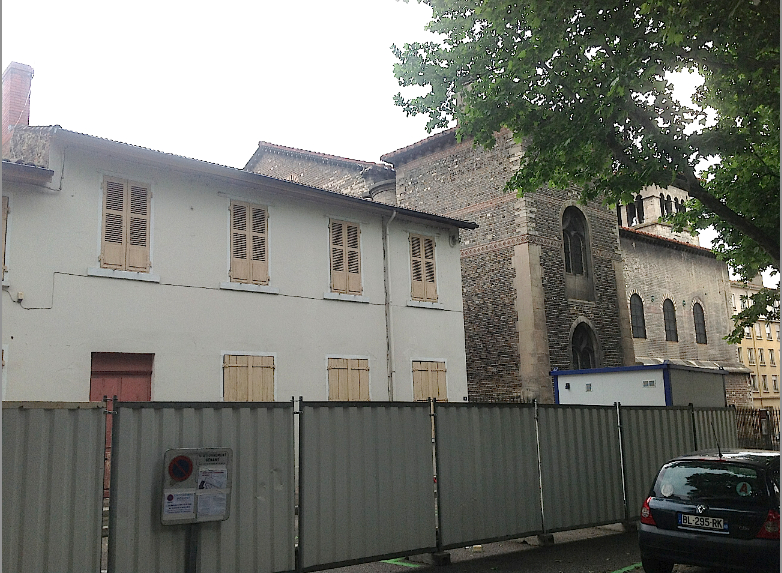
(700, 509)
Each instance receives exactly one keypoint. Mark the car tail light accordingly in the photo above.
(770, 529)
(646, 515)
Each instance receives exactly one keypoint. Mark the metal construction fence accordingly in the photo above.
(758, 428)
(376, 480)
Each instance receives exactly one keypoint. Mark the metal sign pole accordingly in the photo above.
(191, 549)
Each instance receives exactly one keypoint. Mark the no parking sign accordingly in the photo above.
(196, 485)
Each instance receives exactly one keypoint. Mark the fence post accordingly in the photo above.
(622, 458)
(694, 427)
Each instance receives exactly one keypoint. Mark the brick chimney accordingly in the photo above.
(17, 79)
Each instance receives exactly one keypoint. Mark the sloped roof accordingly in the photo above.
(265, 147)
(664, 241)
(447, 137)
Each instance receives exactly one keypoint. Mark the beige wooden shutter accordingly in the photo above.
(338, 379)
(260, 387)
(240, 264)
(429, 381)
(235, 378)
(114, 220)
(358, 379)
(138, 229)
(248, 378)
(418, 290)
(259, 266)
(339, 276)
(5, 226)
(430, 277)
(354, 258)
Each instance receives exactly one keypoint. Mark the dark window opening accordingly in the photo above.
(574, 238)
(583, 344)
(700, 324)
(669, 315)
(637, 316)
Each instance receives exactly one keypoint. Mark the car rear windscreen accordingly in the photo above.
(702, 480)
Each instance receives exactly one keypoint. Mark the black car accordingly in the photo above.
(713, 509)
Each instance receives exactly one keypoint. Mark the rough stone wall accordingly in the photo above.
(29, 145)
(738, 391)
(340, 177)
(461, 181)
(657, 270)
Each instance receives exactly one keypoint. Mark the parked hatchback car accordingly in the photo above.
(713, 509)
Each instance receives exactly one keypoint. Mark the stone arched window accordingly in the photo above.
(584, 349)
(668, 205)
(662, 204)
(700, 323)
(639, 208)
(576, 252)
(669, 316)
(637, 320)
(574, 238)
(631, 218)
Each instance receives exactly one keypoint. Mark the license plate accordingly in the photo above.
(701, 522)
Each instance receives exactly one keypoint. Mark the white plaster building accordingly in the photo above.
(152, 276)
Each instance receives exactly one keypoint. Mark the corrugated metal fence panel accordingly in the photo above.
(724, 426)
(52, 486)
(487, 472)
(259, 534)
(650, 437)
(580, 466)
(365, 482)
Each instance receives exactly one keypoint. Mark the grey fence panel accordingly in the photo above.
(259, 534)
(580, 466)
(650, 437)
(487, 472)
(712, 424)
(52, 486)
(366, 488)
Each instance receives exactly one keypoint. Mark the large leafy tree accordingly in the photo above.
(584, 84)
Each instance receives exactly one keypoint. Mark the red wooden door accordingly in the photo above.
(126, 376)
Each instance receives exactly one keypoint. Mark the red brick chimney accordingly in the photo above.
(17, 79)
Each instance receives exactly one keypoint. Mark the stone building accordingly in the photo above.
(548, 281)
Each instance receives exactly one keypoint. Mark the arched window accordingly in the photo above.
(637, 316)
(619, 214)
(631, 218)
(669, 315)
(668, 205)
(662, 204)
(583, 345)
(574, 237)
(700, 323)
(639, 208)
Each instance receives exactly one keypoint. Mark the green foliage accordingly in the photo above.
(583, 85)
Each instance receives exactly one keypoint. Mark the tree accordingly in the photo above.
(584, 86)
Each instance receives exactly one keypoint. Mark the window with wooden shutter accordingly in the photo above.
(348, 379)
(5, 226)
(249, 244)
(345, 249)
(126, 225)
(423, 272)
(248, 378)
(429, 381)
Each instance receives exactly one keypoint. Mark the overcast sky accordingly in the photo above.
(210, 80)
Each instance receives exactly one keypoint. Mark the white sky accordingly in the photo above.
(210, 80)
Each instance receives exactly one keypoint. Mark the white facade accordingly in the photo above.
(60, 306)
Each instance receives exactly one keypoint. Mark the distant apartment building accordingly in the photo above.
(759, 348)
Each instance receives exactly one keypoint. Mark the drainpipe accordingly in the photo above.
(387, 284)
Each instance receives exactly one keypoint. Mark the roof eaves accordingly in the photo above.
(441, 139)
(265, 145)
(673, 243)
(26, 172)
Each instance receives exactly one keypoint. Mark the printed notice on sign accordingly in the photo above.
(212, 477)
(211, 504)
(179, 503)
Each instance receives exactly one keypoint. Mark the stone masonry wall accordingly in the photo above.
(461, 181)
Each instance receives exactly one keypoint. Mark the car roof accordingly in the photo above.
(759, 458)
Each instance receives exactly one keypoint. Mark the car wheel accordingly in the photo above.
(656, 566)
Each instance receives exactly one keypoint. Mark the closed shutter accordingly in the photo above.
(345, 257)
(248, 378)
(423, 272)
(5, 226)
(429, 381)
(126, 225)
(348, 379)
(114, 220)
(138, 229)
(249, 244)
